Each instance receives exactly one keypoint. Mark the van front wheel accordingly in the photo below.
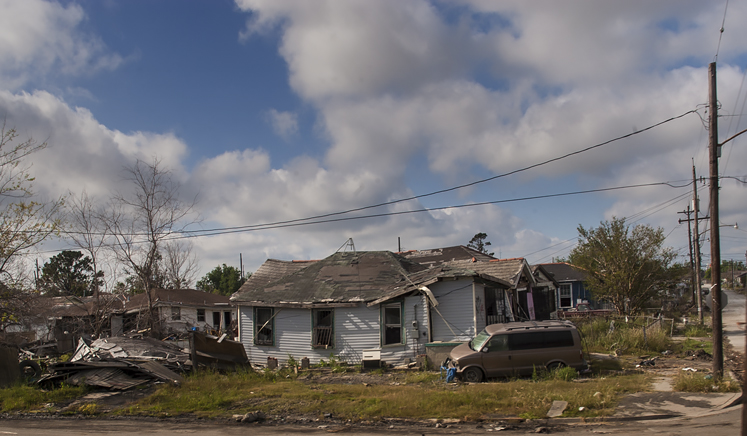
(472, 375)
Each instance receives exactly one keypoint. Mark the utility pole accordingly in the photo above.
(696, 208)
(696, 243)
(690, 251)
(713, 154)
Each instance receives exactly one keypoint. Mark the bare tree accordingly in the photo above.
(24, 223)
(141, 223)
(179, 264)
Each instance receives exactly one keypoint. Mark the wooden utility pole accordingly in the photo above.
(690, 251)
(713, 153)
(696, 208)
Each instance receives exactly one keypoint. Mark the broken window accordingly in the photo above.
(322, 328)
(565, 295)
(391, 315)
(200, 315)
(264, 326)
(176, 313)
(495, 307)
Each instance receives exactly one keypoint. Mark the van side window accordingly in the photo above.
(532, 340)
(498, 343)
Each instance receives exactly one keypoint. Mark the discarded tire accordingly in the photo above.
(30, 370)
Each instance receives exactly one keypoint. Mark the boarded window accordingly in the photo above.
(392, 324)
(200, 315)
(176, 313)
(565, 295)
(264, 326)
(323, 333)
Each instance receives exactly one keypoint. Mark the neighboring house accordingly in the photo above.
(356, 302)
(177, 311)
(62, 320)
(571, 288)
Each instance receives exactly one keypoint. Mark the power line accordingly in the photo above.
(442, 191)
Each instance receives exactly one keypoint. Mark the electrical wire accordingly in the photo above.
(442, 191)
(721, 32)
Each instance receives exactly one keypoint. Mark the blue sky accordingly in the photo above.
(274, 110)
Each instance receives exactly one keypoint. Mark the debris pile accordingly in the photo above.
(124, 362)
(116, 374)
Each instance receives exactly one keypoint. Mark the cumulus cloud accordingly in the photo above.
(40, 37)
(504, 85)
(82, 153)
(406, 91)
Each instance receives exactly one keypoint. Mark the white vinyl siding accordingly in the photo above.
(453, 318)
(355, 329)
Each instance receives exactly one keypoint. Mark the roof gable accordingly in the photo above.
(177, 297)
(340, 278)
(510, 270)
(565, 272)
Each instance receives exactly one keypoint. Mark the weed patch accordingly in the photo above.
(699, 382)
(616, 335)
(697, 331)
(21, 397)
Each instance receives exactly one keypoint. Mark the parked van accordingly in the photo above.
(517, 349)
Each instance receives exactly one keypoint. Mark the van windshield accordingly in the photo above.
(479, 340)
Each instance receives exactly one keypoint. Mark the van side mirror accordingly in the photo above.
(484, 350)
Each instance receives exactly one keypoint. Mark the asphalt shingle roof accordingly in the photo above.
(565, 272)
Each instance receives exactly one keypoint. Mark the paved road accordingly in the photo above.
(725, 423)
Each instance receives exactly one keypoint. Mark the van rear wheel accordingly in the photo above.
(555, 366)
(472, 375)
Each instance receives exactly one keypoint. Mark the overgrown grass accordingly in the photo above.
(603, 335)
(21, 397)
(422, 396)
(697, 330)
(700, 382)
(695, 345)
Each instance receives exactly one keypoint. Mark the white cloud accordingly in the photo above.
(285, 124)
(81, 152)
(40, 37)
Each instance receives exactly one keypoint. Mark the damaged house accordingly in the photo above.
(55, 323)
(177, 311)
(376, 303)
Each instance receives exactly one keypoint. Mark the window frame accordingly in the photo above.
(201, 315)
(270, 326)
(384, 326)
(561, 295)
(316, 334)
(176, 313)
